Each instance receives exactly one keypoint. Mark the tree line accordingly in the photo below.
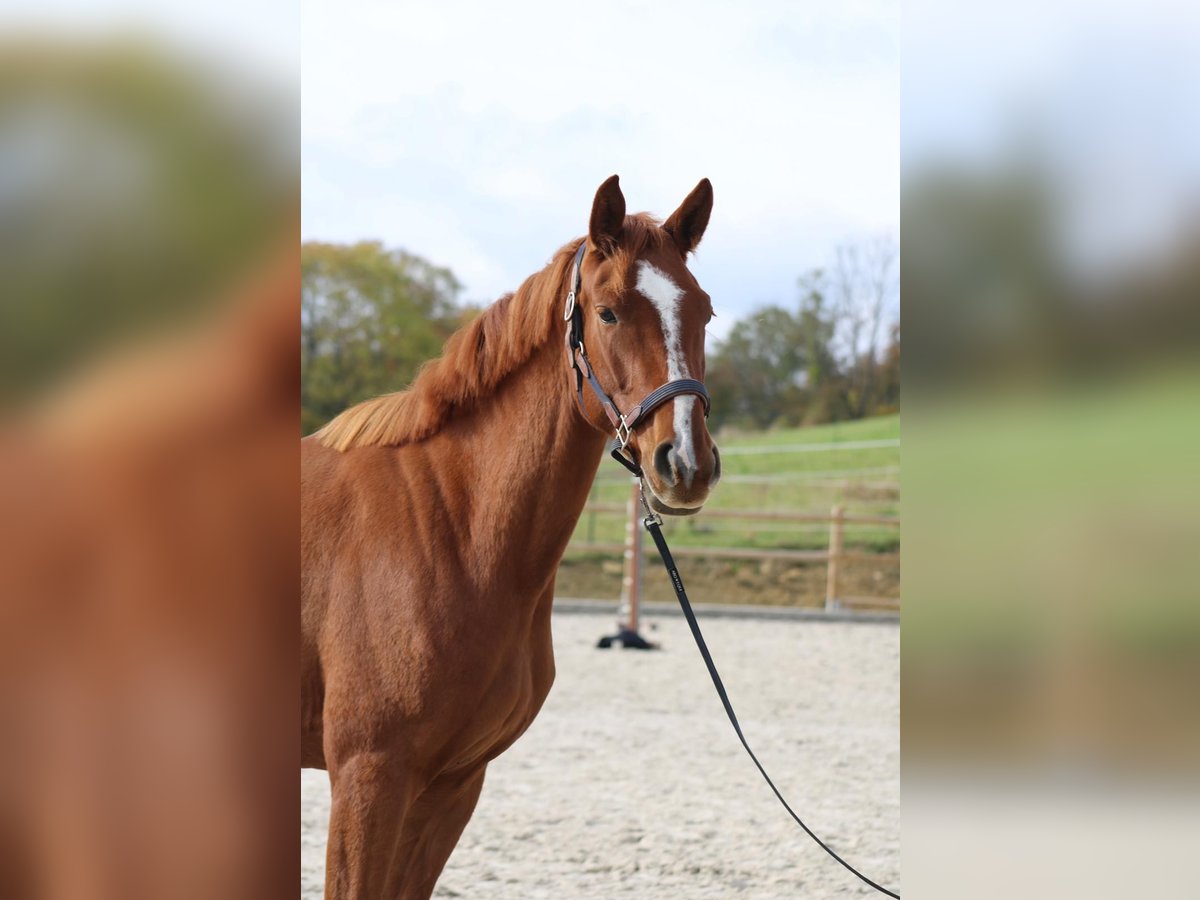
(370, 316)
(833, 354)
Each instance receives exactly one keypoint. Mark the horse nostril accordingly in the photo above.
(662, 462)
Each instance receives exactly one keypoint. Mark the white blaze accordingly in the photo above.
(657, 287)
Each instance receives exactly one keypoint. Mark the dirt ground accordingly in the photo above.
(631, 782)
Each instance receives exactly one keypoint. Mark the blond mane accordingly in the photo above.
(479, 355)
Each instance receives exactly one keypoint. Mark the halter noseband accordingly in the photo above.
(581, 365)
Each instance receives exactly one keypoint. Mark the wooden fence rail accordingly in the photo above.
(746, 553)
(764, 515)
(833, 557)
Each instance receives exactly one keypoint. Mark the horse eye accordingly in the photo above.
(608, 317)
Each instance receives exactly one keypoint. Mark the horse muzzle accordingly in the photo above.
(679, 484)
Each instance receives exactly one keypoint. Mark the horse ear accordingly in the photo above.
(608, 217)
(686, 225)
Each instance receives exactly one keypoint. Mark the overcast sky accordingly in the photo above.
(476, 134)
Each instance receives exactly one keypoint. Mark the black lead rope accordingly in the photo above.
(654, 525)
(624, 425)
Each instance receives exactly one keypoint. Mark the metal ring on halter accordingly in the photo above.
(570, 310)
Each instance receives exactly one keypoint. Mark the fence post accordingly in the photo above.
(591, 525)
(835, 553)
(631, 581)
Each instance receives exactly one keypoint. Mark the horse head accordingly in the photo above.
(644, 317)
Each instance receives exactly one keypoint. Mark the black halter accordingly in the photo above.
(624, 425)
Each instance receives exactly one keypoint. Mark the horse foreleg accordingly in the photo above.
(434, 823)
(371, 796)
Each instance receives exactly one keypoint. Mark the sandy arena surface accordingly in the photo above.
(631, 783)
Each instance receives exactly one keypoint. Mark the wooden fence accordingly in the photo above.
(833, 557)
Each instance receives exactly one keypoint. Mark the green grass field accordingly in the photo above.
(806, 470)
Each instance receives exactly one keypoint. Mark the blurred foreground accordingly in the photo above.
(1051, 624)
(148, 512)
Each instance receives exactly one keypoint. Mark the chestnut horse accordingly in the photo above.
(433, 522)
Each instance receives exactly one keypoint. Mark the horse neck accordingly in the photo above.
(529, 460)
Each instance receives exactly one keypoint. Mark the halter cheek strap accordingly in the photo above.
(577, 358)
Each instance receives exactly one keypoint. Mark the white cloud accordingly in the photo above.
(475, 134)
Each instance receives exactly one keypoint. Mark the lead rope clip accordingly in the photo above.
(651, 517)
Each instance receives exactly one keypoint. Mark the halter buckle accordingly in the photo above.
(570, 310)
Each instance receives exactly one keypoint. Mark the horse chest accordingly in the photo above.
(494, 711)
